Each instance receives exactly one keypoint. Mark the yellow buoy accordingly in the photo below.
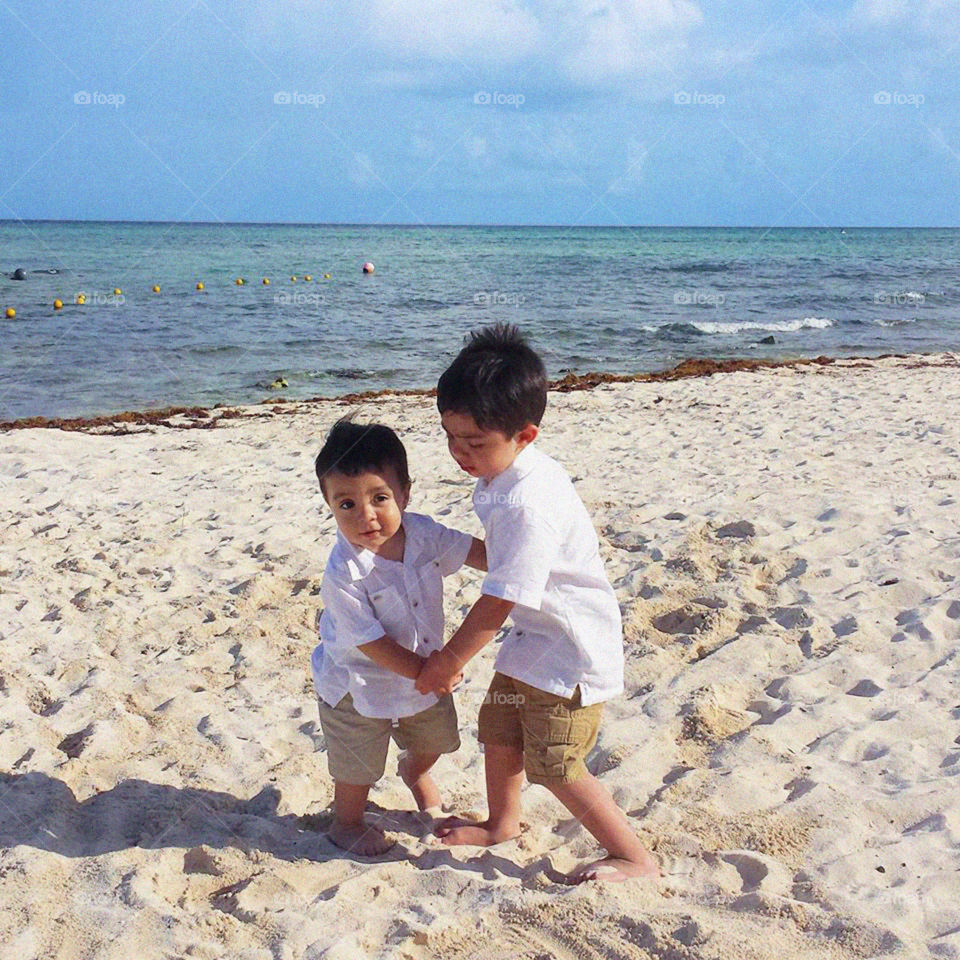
(156, 289)
(11, 313)
(266, 281)
(117, 291)
(80, 299)
(240, 281)
(293, 279)
(326, 276)
(308, 278)
(199, 286)
(57, 304)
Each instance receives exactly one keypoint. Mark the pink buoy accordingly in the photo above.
(368, 267)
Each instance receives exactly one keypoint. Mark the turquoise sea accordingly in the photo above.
(616, 299)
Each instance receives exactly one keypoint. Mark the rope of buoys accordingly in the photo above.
(81, 298)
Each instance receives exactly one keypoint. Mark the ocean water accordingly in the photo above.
(615, 299)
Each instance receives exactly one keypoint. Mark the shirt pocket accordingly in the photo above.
(389, 607)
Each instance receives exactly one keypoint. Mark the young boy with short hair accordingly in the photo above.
(382, 616)
(564, 655)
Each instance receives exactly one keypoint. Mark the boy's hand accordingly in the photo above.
(439, 675)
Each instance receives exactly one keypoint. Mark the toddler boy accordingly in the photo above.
(564, 655)
(382, 616)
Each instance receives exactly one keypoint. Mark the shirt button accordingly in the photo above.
(415, 602)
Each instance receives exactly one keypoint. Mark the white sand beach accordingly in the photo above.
(784, 544)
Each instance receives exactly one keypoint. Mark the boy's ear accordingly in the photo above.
(528, 434)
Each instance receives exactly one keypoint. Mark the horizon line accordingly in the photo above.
(429, 226)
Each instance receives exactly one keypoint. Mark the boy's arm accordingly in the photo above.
(479, 627)
(477, 556)
(386, 652)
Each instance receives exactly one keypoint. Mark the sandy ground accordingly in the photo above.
(785, 548)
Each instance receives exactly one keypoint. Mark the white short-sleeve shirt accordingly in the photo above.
(366, 597)
(543, 554)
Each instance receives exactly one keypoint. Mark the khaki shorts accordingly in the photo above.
(357, 746)
(555, 733)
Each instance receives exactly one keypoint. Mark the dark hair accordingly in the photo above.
(498, 378)
(354, 448)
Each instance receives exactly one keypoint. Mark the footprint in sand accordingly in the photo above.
(683, 620)
(845, 627)
(865, 688)
(740, 530)
(753, 871)
(790, 617)
(75, 743)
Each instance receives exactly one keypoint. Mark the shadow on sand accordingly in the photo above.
(42, 812)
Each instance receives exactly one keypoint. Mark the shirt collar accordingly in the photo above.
(357, 560)
(522, 464)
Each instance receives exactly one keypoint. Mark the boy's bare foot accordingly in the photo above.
(362, 839)
(424, 790)
(615, 870)
(455, 831)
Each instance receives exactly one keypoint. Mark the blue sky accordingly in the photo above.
(479, 111)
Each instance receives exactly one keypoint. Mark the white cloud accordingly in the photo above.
(587, 41)
(403, 44)
(445, 30)
(881, 13)
(938, 19)
(600, 39)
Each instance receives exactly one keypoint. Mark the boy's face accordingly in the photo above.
(369, 507)
(483, 453)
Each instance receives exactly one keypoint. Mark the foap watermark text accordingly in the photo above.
(897, 99)
(698, 99)
(699, 298)
(497, 298)
(495, 99)
(299, 300)
(294, 98)
(84, 98)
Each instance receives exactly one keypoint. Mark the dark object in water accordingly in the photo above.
(19, 274)
(767, 339)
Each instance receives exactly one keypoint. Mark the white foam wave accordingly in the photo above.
(894, 323)
(775, 326)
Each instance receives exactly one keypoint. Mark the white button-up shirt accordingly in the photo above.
(366, 597)
(542, 554)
